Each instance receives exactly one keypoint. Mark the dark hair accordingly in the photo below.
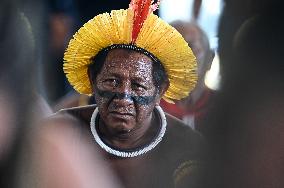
(160, 76)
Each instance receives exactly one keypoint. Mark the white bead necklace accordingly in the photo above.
(132, 153)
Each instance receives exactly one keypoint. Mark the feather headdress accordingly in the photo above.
(136, 26)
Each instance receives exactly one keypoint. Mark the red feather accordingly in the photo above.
(141, 9)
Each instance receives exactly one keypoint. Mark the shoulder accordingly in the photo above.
(81, 110)
(181, 132)
(77, 117)
(183, 140)
(82, 113)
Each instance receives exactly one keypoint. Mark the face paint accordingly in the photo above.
(140, 100)
(125, 92)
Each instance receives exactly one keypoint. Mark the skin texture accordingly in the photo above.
(126, 96)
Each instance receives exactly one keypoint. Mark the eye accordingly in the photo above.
(111, 82)
(138, 86)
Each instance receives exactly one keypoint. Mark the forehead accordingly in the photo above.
(127, 62)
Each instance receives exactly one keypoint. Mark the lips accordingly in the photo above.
(118, 113)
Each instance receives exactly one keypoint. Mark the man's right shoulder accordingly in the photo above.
(75, 115)
(78, 111)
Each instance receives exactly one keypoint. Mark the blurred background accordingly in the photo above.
(237, 104)
(207, 18)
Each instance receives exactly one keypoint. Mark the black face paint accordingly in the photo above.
(140, 100)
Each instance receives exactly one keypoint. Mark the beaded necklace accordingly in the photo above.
(134, 153)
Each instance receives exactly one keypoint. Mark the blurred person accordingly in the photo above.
(17, 58)
(21, 107)
(61, 18)
(37, 14)
(193, 109)
(246, 132)
(128, 69)
(64, 160)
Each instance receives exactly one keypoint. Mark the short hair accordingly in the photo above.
(159, 74)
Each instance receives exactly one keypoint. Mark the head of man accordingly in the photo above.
(127, 85)
(198, 42)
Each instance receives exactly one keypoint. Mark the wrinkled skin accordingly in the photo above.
(126, 95)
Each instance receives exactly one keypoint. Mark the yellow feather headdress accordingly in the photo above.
(128, 27)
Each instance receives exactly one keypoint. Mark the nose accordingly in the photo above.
(123, 95)
(124, 87)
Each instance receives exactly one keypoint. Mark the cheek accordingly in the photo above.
(144, 111)
(101, 103)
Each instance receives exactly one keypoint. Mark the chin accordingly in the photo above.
(120, 127)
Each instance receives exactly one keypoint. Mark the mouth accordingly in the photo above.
(121, 113)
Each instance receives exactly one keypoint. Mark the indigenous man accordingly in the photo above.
(128, 60)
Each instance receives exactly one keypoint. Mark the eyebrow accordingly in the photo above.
(139, 79)
(114, 75)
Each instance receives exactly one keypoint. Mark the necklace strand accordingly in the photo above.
(138, 152)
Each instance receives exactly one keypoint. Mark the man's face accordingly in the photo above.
(124, 91)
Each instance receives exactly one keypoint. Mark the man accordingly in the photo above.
(128, 60)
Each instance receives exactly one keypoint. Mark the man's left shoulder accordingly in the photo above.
(183, 138)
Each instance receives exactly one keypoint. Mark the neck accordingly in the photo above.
(137, 137)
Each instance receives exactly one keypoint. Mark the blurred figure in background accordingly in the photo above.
(247, 124)
(17, 52)
(193, 108)
(60, 155)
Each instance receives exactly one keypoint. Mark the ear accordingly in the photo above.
(164, 87)
(91, 77)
